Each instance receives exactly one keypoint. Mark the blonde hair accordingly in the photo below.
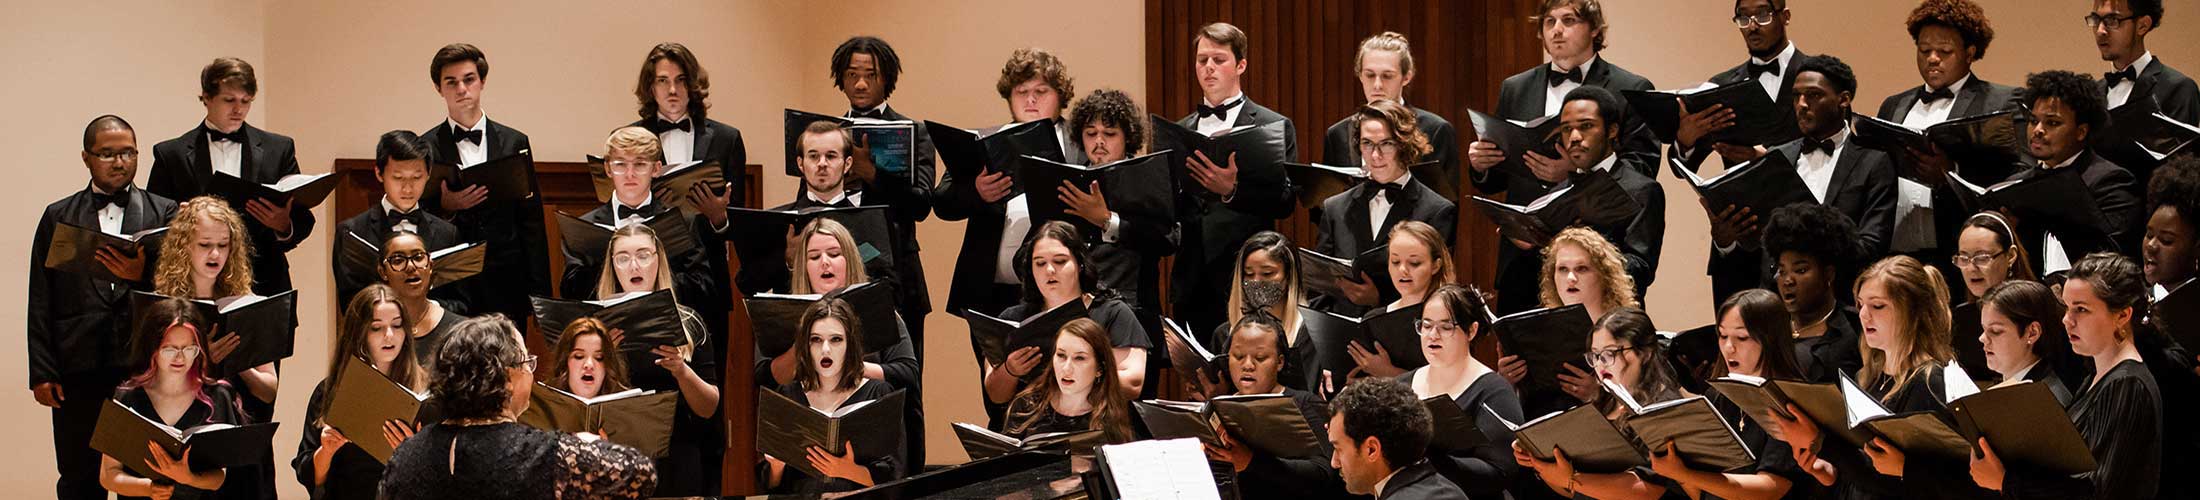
(607, 281)
(1388, 41)
(172, 275)
(1278, 247)
(635, 140)
(1438, 251)
(1619, 287)
(1921, 296)
(797, 251)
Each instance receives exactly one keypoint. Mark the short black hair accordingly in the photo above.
(1832, 68)
(1814, 230)
(2147, 8)
(102, 124)
(470, 366)
(2176, 184)
(889, 64)
(454, 54)
(2079, 91)
(398, 145)
(1112, 108)
(1388, 411)
(1609, 106)
(1777, 5)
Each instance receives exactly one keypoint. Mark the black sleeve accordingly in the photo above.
(301, 216)
(532, 235)
(1123, 328)
(910, 195)
(309, 442)
(41, 328)
(1876, 230)
(899, 361)
(1645, 238)
(1491, 464)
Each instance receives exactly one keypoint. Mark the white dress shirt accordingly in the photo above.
(227, 157)
(1378, 207)
(678, 145)
(1555, 97)
(1816, 168)
(2122, 90)
(1210, 126)
(1926, 114)
(2053, 257)
(1913, 201)
(1015, 223)
(470, 153)
(1774, 82)
(110, 216)
(621, 211)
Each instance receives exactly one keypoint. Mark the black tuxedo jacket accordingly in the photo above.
(717, 141)
(1420, 482)
(1521, 97)
(694, 279)
(1341, 144)
(78, 323)
(907, 273)
(2176, 93)
(1862, 188)
(1788, 131)
(1214, 229)
(1640, 241)
(374, 225)
(957, 199)
(2115, 191)
(1976, 97)
(1343, 229)
(909, 201)
(182, 168)
(519, 250)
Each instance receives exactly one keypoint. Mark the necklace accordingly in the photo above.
(1815, 324)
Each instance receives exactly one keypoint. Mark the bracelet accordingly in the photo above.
(1572, 482)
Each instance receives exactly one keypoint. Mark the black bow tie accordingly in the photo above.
(2130, 73)
(120, 198)
(878, 113)
(1770, 68)
(217, 135)
(1817, 146)
(459, 135)
(660, 126)
(1218, 112)
(1394, 192)
(1555, 77)
(621, 212)
(413, 217)
(1928, 97)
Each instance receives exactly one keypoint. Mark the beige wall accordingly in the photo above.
(1680, 44)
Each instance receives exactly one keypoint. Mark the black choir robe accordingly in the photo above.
(1215, 229)
(376, 224)
(518, 263)
(182, 168)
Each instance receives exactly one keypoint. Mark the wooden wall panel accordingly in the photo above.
(1300, 64)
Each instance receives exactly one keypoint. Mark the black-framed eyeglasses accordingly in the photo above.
(1765, 19)
(405, 261)
(1388, 147)
(1436, 329)
(1604, 357)
(2112, 21)
(1977, 260)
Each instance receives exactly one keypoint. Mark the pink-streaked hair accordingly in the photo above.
(153, 328)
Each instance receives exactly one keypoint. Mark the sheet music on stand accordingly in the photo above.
(1157, 469)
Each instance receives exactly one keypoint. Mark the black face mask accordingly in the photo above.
(1255, 297)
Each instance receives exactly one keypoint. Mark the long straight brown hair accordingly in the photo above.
(351, 341)
(1110, 407)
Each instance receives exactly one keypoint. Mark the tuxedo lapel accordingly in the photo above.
(1907, 100)
(248, 167)
(1355, 217)
(1851, 156)
(702, 134)
(202, 161)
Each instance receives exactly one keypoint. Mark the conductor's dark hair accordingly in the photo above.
(470, 366)
(1832, 68)
(2176, 184)
(1964, 16)
(1816, 231)
(1388, 411)
(697, 83)
(1112, 108)
(889, 64)
(2079, 91)
(454, 54)
(398, 145)
(102, 124)
(1609, 106)
(2147, 8)
(228, 71)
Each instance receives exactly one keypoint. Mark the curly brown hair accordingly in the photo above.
(697, 82)
(1404, 127)
(1619, 287)
(1964, 16)
(1032, 62)
(1111, 108)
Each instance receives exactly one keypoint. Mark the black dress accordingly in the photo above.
(903, 372)
(2121, 419)
(1113, 315)
(352, 473)
(425, 346)
(884, 468)
(1922, 477)
(1484, 471)
(689, 467)
(513, 461)
(1823, 358)
(1773, 456)
(220, 406)
(1301, 367)
(1302, 477)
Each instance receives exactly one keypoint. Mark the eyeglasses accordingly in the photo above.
(528, 363)
(2112, 21)
(624, 168)
(1568, 21)
(1388, 147)
(1605, 357)
(403, 262)
(1436, 329)
(1976, 261)
(636, 258)
(1764, 19)
(185, 352)
(116, 156)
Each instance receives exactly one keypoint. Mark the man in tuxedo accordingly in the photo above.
(1036, 86)
(518, 263)
(2120, 29)
(1380, 432)
(1217, 217)
(79, 323)
(866, 69)
(1359, 219)
(1385, 66)
(1857, 182)
(1127, 246)
(674, 91)
(401, 164)
(1950, 36)
(1588, 141)
(1763, 25)
(223, 144)
(2067, 108)
(1573, 36)
(631, 161)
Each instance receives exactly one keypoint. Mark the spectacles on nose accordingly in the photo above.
(1436, 329)
(1744, 22)
(185, 352)
(403, 262)
(1605, 357)
(116, 156)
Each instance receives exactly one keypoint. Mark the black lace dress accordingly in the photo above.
(510, 460)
